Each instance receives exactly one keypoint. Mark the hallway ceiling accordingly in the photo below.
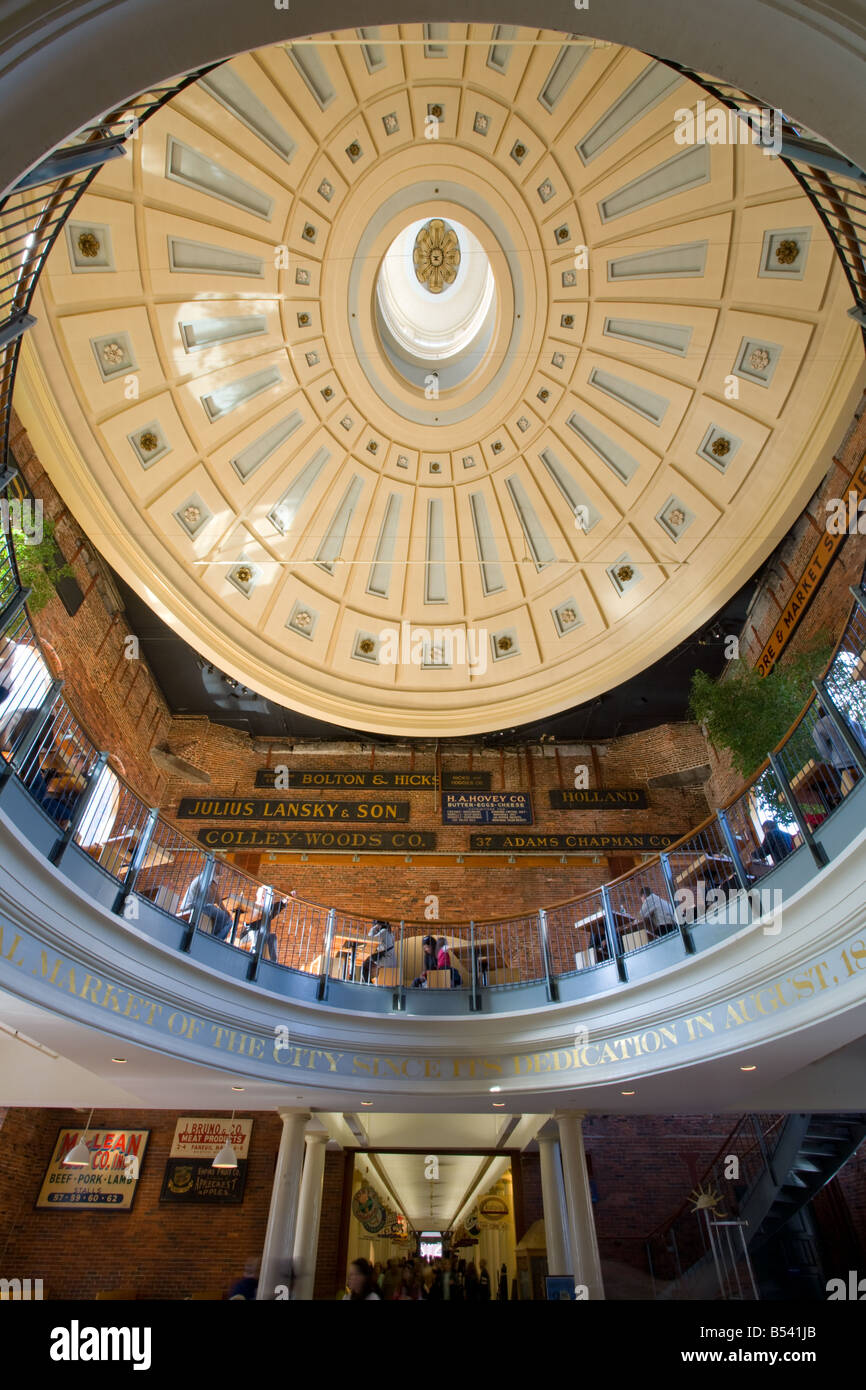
(608, 461)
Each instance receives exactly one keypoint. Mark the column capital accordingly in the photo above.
(570, 1115)
(286, 1115)
(317, 1137)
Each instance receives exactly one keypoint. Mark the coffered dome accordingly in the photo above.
(389, 334)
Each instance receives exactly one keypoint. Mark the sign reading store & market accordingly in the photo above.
(234, 808)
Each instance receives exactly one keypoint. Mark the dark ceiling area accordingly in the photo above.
(659, 695)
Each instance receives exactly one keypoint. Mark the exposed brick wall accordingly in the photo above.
(118, 700)
(159, 1251)
(829, 609)
(330, 1277)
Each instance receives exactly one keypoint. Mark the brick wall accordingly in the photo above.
(160, 1251)
(330, 1276)
(828, 611)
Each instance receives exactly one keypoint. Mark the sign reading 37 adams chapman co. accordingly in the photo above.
(599, 843)
(281, 811)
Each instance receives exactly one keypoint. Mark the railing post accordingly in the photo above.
(62, 843)
(264, 929)
(840, 724)
(474, 1000)
(860, 596)
(668, 876)
(136, 863)
(324, 973)
(818, 852)
(733, 849)
(398, 1003)
(10, 611)
(549, 981)
(29, 735)
(207, 874)
(610, 931)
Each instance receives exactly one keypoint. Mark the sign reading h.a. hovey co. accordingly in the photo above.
(486, 808)
(281, 811)
(190, 1177)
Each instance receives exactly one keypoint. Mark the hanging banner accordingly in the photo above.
(108, 1183)
(486, 808)
(190, 1177)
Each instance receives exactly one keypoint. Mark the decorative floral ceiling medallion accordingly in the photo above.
(721, 446)
(436, 255)
(113, 354)
(787, 251)
(149, 442)
(624, 573)
(88, 245)
(759, 359)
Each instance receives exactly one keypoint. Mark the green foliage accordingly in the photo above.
(39, 567)
(750, 714)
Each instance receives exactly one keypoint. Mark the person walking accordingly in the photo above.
(361, 1285)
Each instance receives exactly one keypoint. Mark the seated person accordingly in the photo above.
(384, 954)
(443, 962)
(428, 962)
(833, 750)
(252, 929)
(56, 791)
(776, 843)
(655, 911)
(212, 907)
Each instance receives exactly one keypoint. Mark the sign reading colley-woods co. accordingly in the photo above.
(293, 778)
(190, 1177)
(599, 843)
(252, 837)
(598, 798)
(233, 808)
(486, 808)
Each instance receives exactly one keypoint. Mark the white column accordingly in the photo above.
(585, 1262)
(309, 1211)
(555, 1217)
(280, 1234)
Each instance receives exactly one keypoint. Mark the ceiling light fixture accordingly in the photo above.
(226, 1158)
(237, 1088)
(752, 1068)
(121, 1061)
(628, 1093)
(79, 1157)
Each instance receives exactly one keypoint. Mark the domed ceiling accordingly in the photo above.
(422, 380)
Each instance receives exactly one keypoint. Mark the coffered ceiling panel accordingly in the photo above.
(216, 387)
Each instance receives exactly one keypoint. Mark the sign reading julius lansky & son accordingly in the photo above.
(600, 843)
(598, 798)
(486, 808)
(232, 808)
(253, 837)
(293, 778)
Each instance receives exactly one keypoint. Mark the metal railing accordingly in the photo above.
(835, 187)
(713, 870)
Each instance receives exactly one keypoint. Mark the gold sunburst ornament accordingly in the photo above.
(436, 255)
(706, 1199)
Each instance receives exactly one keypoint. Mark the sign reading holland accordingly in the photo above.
(194, 808)
(591, 798)
(486, 808)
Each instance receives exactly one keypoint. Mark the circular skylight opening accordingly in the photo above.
(435, 297)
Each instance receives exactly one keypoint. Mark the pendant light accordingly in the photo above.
(226, 1158)
(79, 1157)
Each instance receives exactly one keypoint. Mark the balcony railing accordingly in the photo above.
(713, 876)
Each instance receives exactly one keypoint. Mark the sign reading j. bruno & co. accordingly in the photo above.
(294, 778)
(598, 798)
(232, 808)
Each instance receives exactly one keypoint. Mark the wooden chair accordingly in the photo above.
(116, 1296)
(439, 979)
(632, 940)
(389, 976)
(504, 975)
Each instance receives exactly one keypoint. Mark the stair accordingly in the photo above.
(810, 1151)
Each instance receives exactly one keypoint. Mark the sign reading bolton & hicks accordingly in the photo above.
(486, 808)
(190, 1177)
(229, 808)
(107, 1183)
(408, 781)
(251, 837)
(599, 843)
(598, 798)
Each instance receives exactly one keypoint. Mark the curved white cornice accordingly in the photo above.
(788, 998)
